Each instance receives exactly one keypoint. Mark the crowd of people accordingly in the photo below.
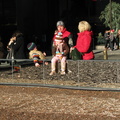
(62, 46)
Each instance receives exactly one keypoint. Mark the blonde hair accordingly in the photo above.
(83, 26)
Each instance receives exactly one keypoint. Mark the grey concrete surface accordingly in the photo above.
(112, 55)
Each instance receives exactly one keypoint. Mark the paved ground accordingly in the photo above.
(112, 55)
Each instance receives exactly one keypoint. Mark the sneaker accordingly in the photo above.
(52, 73)
(69, 71)
(63, 73)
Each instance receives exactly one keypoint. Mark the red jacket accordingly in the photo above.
(83, 45)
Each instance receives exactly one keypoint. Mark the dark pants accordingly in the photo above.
(107, 43)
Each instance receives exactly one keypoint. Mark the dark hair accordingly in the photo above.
(17, 33)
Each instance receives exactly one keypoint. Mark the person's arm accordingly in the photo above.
(12, 40)
(66, 49)
(70, 41)
(18, 43)
(41, 55)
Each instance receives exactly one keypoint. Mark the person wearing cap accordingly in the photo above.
(65, 34)
(59, 51)
(35, 54)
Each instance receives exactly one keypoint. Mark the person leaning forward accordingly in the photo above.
(84, 41)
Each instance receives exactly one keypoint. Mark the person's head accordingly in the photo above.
(118, 31)
(17, 33)
(111, 31)
(84, 26)
(31, 46)
(60, 26)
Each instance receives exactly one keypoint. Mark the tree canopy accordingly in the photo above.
(111, 16)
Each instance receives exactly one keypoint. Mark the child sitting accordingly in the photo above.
(35, 54)
(59, 51)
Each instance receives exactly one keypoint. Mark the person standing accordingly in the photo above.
(84, 41)
(112, 40)
(16, 46)
(107, 39)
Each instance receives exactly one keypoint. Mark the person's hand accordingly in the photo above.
(8, 48)
(46, 63)
(12, 39)
(44, 53)
(37, 64)
(56, 31)
(72, 48)
(59, 55)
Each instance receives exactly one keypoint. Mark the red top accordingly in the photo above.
(83, 44)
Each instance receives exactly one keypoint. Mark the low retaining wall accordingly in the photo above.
(102, 71)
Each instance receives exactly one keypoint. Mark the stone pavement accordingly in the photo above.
(112, 55)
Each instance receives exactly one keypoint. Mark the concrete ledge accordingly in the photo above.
(99, 47)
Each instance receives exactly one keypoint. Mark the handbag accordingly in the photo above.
(76, 55)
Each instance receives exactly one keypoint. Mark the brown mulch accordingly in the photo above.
(40, 103)
(37, 103)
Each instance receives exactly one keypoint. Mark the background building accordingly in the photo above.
(37, 18)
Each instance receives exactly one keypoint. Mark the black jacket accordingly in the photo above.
(18, 48)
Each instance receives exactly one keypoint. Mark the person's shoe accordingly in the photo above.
(52, 73)
(63, 73)
(69, 71)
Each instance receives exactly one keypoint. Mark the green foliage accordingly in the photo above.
(115, 16)
(100, 38)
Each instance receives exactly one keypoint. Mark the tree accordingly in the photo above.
(111, 16)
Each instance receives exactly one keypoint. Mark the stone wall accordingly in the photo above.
(100, 71)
